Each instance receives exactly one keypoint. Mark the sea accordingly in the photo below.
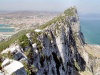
(6, 28)
(91, 30)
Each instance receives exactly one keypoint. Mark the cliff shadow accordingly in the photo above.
(79, 59)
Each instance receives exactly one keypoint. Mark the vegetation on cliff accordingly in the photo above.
(69, 12)
(23, 41)
(7, 43)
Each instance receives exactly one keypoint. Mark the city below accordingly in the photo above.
(13, 22)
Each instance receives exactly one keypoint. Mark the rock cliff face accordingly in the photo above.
(55, 48)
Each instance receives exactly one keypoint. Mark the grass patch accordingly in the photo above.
(5, 44)
(53, 21)
(8, 55)
(31, 70)
(23, 41)
(69, 12)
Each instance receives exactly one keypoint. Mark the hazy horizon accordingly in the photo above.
(84, 7)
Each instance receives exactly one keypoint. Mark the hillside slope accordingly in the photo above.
(55, 48)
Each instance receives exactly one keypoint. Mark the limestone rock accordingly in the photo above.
(12, 66)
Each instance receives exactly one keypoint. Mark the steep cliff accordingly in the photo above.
(55, 48)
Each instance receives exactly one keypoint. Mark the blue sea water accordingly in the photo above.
(4, 25)
(6, 28)
(91, 31)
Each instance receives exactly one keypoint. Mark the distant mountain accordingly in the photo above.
(4, 12)
(25, 13)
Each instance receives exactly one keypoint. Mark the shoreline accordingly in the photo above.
(7, 35)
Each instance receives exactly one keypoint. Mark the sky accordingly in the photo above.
(83, 6)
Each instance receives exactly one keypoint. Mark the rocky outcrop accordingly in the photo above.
(56, 48)
(13, 67)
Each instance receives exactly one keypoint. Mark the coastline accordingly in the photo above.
(91, 31)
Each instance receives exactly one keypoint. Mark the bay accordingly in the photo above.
(91, 31)
(6, 28)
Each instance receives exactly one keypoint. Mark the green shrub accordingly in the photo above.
(30, 69)
(8, 55)
(34, 36)
(23, 41)
(5, 44)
